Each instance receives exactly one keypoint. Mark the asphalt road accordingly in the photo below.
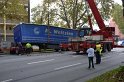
(55, 67)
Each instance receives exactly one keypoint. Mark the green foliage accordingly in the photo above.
(68, 13)
(115, 75)
(43, 14)
(117, 14)
(106, 8)
(121, 69)
(13, 10)
(120, 74)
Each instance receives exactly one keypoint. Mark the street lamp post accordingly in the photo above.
(28, 11)
(4, 22)
(48, 23)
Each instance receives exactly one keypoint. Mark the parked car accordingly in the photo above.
(122, 43)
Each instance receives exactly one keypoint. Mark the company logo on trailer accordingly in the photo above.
(36, 31)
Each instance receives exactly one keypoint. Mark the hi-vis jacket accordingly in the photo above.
(99, 48)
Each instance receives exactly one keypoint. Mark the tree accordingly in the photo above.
(11, 10)
(117, 14)
(42, 14)
(106, 8)
(73, 13)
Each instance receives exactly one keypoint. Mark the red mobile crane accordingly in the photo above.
(106, 35)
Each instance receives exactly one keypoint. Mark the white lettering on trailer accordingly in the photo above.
(61, 32)
(36, 31)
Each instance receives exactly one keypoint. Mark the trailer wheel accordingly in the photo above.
(77, 52)
(56, 50)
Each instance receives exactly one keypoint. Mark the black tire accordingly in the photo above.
(77, 52)
(11, 52)
(85, 51)
(104, 48)
(56, 50)
(109, 47)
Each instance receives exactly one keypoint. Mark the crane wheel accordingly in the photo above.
(104, 48)
(109, 47)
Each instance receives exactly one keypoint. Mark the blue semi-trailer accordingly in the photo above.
(43, 35)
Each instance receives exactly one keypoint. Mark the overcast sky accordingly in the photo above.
(34, 3)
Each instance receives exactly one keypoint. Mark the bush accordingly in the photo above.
(120, 74)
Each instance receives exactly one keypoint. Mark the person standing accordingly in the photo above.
(90, 52)
(98, 53)
(28, 48)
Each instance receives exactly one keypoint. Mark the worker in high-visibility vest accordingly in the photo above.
(28, 48)
(98, 53)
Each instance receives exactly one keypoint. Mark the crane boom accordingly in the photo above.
(96, 14)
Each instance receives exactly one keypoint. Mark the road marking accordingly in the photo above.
(75, 56)
(7, 80)
(121, 53)
(67, 66)
(41, 61)
(105, 57)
